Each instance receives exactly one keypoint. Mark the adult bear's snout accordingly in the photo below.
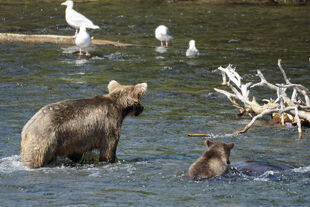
(139, 110)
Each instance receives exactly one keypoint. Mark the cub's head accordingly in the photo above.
(219, 149)
(129, 97)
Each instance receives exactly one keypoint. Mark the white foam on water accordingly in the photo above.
(111, 168)
(159, 57)
(131, 169)
(72, 80)
(302, 169)
(120, 166)
(78, 73)
(97, 58)
(79, 62)
(265, 177)
(95, 174)
(117, 56)
(82, 61)
(262, 179)
(12, 164)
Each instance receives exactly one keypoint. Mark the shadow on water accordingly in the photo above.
(259, 168)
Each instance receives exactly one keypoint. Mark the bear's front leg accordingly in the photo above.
(108, 152)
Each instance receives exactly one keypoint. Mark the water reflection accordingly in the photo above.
(77, 61)
(161, 49)
(70, 49)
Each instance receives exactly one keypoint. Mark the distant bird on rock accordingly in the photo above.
(163, 35)
(192, 50)
(75, 19)
(83, 40)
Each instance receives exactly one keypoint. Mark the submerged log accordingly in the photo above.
(56, 39)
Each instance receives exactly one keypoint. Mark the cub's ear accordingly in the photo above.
(208, 143)
(112, 85)
(231, 145)
(139, 90)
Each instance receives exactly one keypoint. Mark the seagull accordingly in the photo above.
(163, 35)
(83, 40)
(75, 19)
(192, 50)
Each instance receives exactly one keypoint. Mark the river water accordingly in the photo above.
(154, 151)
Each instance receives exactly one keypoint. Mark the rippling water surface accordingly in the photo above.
(154, 151)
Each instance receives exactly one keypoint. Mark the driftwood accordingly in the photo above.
(293, 108)
(56, 39)
(199, 135)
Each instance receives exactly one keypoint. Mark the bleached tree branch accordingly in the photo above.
(289, 109)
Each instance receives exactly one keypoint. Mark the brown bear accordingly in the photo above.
(72, 127)
(213, 162)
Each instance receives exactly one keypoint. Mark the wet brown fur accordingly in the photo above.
(72, 127)
(213, 162)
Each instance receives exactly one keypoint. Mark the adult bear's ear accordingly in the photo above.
(112, 85)
(208, 143)
(139, 90)
(231, 145)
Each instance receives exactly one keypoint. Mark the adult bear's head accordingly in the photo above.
(128, 97)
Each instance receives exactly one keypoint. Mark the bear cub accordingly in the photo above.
(213, 162)
(71, 127)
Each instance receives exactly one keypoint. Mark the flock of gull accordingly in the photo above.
(83, 40)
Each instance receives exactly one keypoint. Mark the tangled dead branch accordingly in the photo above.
(293, 109)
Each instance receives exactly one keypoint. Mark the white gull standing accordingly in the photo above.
(192, 50)
(163, 35)
(83, 40)
(75, 19)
